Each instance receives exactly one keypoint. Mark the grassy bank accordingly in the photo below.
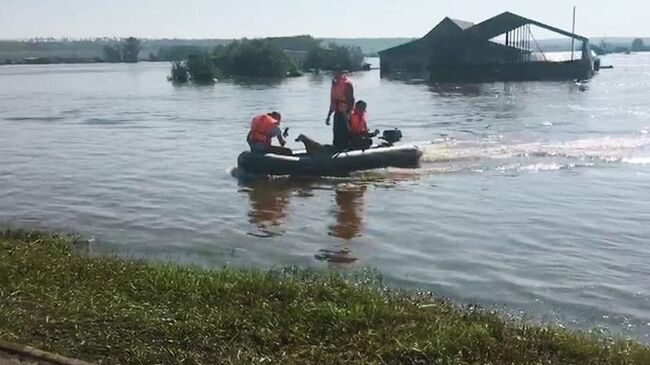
(114, 311)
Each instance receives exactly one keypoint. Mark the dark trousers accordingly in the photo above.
(340, 129)
(360, 142)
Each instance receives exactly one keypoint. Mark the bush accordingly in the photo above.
(200, 68)
(179, 72)
(638, 45)
(125, 51)
(258, 58)
(130, 49)
(349, 58)
(293, 71)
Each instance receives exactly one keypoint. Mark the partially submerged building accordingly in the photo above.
(500, 48)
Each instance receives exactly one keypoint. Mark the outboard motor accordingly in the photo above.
(597, 64)
(391, 136)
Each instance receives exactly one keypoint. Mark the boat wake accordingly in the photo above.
(447, 156)
(451, 155)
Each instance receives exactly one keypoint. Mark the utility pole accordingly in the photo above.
(573, 32)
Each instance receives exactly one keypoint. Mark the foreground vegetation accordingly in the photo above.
(114, 311)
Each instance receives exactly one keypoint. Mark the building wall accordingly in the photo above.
(452, 51)
(491, 53)
(407, 62)
(447, 51)
(410, 57)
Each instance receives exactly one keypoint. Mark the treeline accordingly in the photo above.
(51, 51)
(92, 48)
(269, 57)
(638, 45)
(260, 58)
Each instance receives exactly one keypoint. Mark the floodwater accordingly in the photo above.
(532, 198)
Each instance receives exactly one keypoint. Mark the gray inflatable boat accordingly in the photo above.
(329, 164)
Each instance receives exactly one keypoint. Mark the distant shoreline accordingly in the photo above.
(77, 62)
(88, 51)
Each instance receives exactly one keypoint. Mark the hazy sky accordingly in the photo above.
(333, 18)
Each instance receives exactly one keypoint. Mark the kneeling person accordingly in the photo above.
(263, 128)
(360, 138)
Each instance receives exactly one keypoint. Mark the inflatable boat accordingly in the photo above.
(326, 162)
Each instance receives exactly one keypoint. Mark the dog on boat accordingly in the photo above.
(311, 146)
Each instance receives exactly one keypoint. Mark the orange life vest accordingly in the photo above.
(262, 127)
(339, 94)
(357, 122)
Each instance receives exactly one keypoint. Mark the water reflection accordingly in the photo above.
(349, 214)
(269, 201)
(349, 211)
(339, 256)
(454, 89)
(269, 211)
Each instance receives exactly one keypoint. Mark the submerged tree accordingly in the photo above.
(125, 51)
(197, 68)
(130, 49)
(349, 58)
(112, 53)
(638, 45)
(315, 58)
(179, 72)
(258, 58)
(200, 68)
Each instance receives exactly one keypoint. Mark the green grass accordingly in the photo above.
(115, 311)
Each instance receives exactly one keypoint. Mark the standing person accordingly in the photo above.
(263, 128)
(341, 104)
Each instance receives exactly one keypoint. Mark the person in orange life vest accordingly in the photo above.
(263, 128)
(360, 138)
(341, 104)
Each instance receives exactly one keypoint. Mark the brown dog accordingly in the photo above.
(311, 146)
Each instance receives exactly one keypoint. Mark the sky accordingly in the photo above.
(23, 19)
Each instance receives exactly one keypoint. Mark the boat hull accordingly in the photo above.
(339, 164)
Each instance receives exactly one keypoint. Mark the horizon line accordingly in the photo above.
(94, 38)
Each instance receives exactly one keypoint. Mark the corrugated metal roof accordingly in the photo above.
(487, 29)
(446, 27)
(403, 47)
(507, 21)
(462, 24)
